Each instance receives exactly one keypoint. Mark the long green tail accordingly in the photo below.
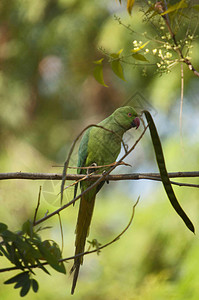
(82, 231)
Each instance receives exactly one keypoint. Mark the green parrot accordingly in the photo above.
(98, 147)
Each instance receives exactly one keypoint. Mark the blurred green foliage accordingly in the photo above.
(47, 96)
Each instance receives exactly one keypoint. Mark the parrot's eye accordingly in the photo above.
(129, 114)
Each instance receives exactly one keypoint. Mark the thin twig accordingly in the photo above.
(38, 203)
(181, 100)
(62, 234)
(94, 167)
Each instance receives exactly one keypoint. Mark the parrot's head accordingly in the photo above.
(126, 117)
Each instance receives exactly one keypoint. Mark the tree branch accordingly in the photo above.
(58, 176)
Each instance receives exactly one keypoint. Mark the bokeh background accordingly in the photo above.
(47, 96)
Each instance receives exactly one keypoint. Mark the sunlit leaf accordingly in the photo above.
(117, 69)
(181, 4)
(139, 48)
(117, 54)
(116, 65)
(4, 252)
(130, 4)
(163, 172)
(139, 56)
(98, 72)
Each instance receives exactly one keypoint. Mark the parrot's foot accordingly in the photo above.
(107, 181)
(91, 170)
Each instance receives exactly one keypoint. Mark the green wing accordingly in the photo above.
(82, 155)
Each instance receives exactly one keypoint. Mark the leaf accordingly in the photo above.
(174, 7)
(55, 250)
(196, 7)
(117, 54)
(116, 65)
(35, 285)
(27, 228)
(98, 72)
(130, 4)
(9, 236)
(6, 254)
(3, 227)
(139, 56)
(163, 172)
(42, 267)
(17, 278)
(50, 258)
(19, 284)
(25, 288)
(141, 47)
(117, 69)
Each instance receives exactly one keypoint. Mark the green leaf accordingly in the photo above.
(163, 172)
(25, 288)
(174, 7)
(55, 250)
(98, 72)
(139, 56)
(117, 54)
(42, 267)
(50, 258)
(11, 251)
(3, 227)
(9, 236)
(196, 7)
(17, 278)
(116, 65)
(35, 285)
(27, 228)
(139, 48)
(130, 4)
(19, 284)
(6, 254)
(15, 255)
(117, 68)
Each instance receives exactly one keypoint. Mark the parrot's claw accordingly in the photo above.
(92, 169)
(107, 181)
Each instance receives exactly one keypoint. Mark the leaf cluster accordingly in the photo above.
(26, 250)
(164, 50)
